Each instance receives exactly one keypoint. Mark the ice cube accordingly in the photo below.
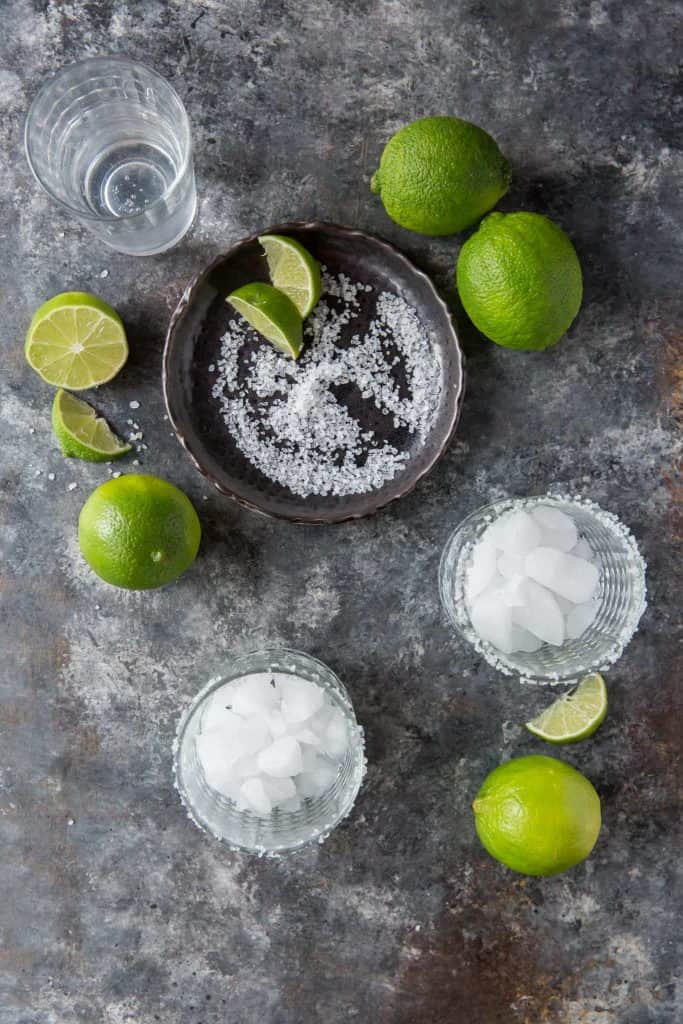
(336, 737)
(482, 568)
(512, 592)
(492, 621)
(510, 566)
(565, 605)
(215, 758)
(515, 533)
(256, 797)
(524, 640)
(319, 721)
(540, 614)
(314, 783)
(309, 759)
(254, 735)
(307, 736)
(277, 726)
(581, 617)
(255, 695)
(218, 711)
(282, 758)
(583, 550)
(300, 698)
(570, 577)
(557, 528)
(246, 766)
(278, 790)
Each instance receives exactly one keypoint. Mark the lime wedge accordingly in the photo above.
(81, 433)
(76, 341)
(293, 270)
(272, 314)
(575, 716)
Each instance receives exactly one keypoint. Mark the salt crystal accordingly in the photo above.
(540, 614)
(255, 694)
(72, 486)
(482, 568)
(571, 577)
(492, 620)
(581, 618)
(116, 475)
(104, 273)
(255, 794)
(282, 758)
(300, 698)
(50, 476)
(134, 405)
(558, 529)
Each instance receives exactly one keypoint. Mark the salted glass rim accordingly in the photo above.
(90, 62)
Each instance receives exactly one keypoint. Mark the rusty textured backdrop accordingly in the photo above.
(113, 908)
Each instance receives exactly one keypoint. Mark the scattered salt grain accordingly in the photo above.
(38, 472)
(31, 430)
(50, 476)
(134, 404)
(291, 419)
(104, 273)
(72, 486)
(116, 475)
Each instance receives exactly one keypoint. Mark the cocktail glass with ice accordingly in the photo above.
(269, 756)
(548, 588)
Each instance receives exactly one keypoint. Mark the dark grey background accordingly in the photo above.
(113, 908)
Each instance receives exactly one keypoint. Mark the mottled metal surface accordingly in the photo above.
(114, 908)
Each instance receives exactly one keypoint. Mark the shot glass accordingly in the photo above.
(282, 831)
(621, 592)
(109, 140)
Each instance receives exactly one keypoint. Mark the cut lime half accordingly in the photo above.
(76, 341)
(272, 313)
(576, 715)
(293, 270)
(81, 433)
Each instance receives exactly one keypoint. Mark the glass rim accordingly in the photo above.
(119, 58)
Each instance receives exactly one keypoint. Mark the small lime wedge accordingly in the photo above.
(272, 314)
(76, 341)
(576, 715)
(81, 433)
(293, 270)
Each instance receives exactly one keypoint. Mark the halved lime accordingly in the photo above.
(76, 341)
(293, 270)
(81, 433)
(575, 716)
(272, 314)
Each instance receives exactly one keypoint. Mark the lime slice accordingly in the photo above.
(272, 314)
(76, 341)
(293, 270)
(81, 433)
(575, 716)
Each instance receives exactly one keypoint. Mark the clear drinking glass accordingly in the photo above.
(621, 591)
(283, 831)
(109, 140)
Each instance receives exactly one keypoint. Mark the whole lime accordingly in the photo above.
(439, 175)
(138, 532)
(537, 815)
(519, 280)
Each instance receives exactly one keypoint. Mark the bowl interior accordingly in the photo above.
(193, 346)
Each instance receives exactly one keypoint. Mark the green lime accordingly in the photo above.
(537, 815)
(293, 270)
(81, 433)
(272, 313)
(574, 716)
(138, 532)
(439, 175)
(519, 280)
(76, 341)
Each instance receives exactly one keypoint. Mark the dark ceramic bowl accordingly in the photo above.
(193, 342)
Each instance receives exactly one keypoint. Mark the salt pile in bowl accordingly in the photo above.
(271, 740)
(531, 580)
